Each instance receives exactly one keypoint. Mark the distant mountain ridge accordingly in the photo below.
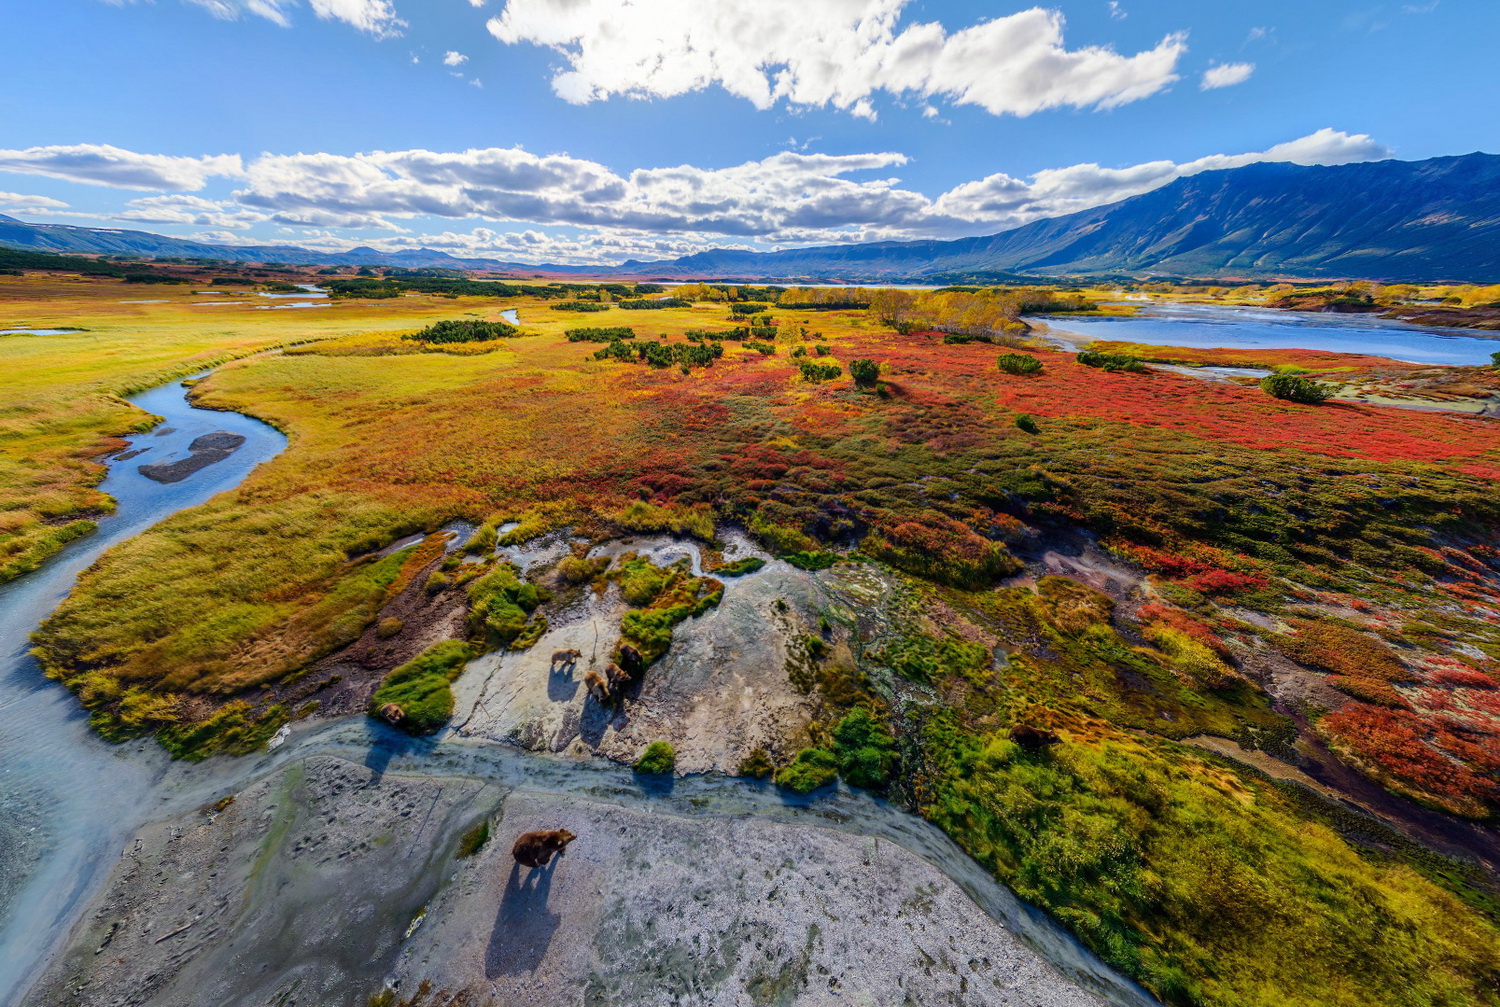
(70, 240)
(1433, 220)
(1430, 220)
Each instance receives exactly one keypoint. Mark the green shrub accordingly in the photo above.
(500, 603)
(648, 305)
(739, 567)
(811, 560)
(812, 371)
(657, 760)
(579, 306)
(1295, 388)
(865, 750)
(1111, 361)
(765, 349)
(466, 330)
(864, 372)
(757, 765)
(1027, 422)
(389, 627)
(420, 687)
(599, 334)
(811, 769)
(1019, 363)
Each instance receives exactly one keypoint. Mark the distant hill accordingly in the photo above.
(1411, 220)
(1430, 220)
(67, 239)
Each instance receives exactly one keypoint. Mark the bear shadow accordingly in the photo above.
(561, 685)
(524, 926)
(388, 744)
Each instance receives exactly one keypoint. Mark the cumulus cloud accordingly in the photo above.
(378, 17)
(790, 198)
(1225, 75)
(1001, 199)
(833, 52)
(21, 201)
(786, 191)
(451, 58)
(189, 210)
(102, 164)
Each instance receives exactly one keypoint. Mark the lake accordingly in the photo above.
(1205, 326)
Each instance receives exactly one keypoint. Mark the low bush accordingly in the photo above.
(657, 760)
(1295, 388)
(1111, 361)
(864, 372)
(865, 750)
(649, 305)
(421, 687)
(811, 769)
(1027, 423)
(739, 567)
(816, 372)
(465, 330)
(599, 334)
(1019, 363)
(579, 306)
(757, 765)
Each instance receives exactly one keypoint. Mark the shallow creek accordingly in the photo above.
(68, 801)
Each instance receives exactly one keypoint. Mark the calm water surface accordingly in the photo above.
(1213, 326)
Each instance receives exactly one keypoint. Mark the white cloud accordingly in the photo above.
(189, 210)
(102, 164)
(1115, 11)
(378, 17)
(786, 199)
(1001, 199)
(21, 201)
(1225, 75)
(833, 52)
(451, 58)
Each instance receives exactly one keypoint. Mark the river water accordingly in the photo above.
(69, 801)
(1206, 326)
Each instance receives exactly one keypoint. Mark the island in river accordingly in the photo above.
(838, 546)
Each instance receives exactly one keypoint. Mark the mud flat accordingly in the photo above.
(327, 880)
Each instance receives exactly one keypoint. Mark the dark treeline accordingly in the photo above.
(603, 334)
(466, 330)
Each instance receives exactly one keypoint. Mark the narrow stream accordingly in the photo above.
(68, 801)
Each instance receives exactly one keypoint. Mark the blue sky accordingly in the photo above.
(596, 130)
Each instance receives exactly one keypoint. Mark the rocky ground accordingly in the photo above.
(327, 881)
(721, 691)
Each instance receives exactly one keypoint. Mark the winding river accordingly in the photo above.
(69, 801)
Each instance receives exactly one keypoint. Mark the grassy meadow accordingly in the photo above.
(62, 396)
(1356, 544)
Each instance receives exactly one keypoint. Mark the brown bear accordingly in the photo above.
(630, 659)
(597, 685)
(392, 713)
(534, 849)
(1033, 739)
(566, 658)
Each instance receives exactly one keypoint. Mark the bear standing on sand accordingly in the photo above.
(534, 849)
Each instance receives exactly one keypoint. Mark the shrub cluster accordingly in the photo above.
(813, 371)
(605, 334)
(657, 760)
(1111, 361)
(648, 304)
(1296, 388)
(1019, 363)
(466, 330)
(580, 306)
(421, 687)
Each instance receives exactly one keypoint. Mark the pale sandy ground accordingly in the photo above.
(305, 889)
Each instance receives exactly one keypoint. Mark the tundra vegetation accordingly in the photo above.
(1352, 548)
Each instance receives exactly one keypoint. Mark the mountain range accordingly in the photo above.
(1423, 221)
